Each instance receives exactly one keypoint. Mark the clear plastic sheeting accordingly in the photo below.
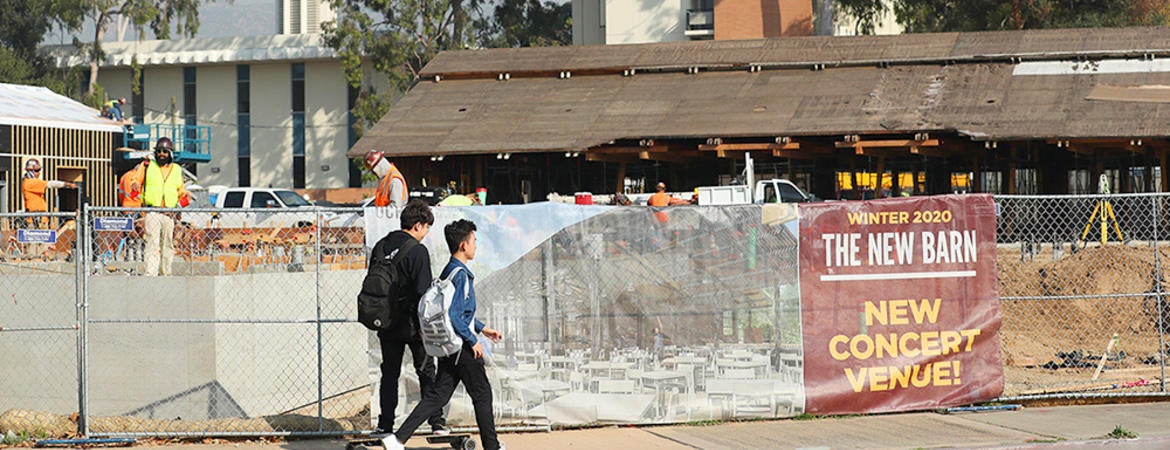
(579, 293)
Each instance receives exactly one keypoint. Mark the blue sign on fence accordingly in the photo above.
(113, 224)
(36, 236)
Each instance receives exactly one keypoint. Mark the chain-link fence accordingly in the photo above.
(249, 335)
(622, 315)
(39, 332)
(1082, 289)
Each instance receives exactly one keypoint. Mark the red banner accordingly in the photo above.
(899, 304)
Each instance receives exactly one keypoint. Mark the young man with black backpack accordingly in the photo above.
(465, 365)
(413, 279)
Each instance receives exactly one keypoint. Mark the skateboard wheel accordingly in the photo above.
(469, 444)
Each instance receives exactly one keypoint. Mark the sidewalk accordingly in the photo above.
(1052, 427)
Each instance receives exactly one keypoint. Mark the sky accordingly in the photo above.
(220, 19)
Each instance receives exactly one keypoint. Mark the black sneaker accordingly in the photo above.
(440, 430)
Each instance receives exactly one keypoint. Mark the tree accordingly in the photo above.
(159, 15)
(926, 16)
(528, 23)
(20, 34)
(23, 31)
(398, 37)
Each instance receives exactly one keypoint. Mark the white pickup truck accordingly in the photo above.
(247, 207)
(766, 191)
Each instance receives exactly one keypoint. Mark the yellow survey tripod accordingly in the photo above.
(1106, 210)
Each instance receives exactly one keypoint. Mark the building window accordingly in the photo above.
(355, 172)
(138, 99)
(189, 113)
(244, 124)
(298, 117)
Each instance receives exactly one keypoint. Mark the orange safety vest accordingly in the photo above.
(659, 199)
(34, 194)
(130, 189)
(382, 196)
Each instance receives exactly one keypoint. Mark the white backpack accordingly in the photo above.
(438, 333)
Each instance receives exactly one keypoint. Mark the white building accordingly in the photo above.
(633, 22)
(278, 106)
(302, 16)
(597, 22)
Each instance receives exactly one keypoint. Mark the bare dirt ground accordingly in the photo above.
(1052, 345)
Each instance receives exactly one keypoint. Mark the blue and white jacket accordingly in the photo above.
(462, 310)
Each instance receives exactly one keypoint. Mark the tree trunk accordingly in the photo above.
(459, 23)
(95, 52)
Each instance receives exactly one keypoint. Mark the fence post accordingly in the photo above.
(1160, 292)
(81, 263)
(319, 256)
(548, 273)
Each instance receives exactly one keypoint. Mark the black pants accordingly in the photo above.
(465, 368)
(393, 349)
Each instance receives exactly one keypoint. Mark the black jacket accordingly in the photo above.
(415, 269)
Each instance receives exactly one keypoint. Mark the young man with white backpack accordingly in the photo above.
(464, 365)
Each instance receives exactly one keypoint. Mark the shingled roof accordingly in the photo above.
(1013, 85)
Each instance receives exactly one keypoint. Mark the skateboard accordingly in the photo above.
(457, 441)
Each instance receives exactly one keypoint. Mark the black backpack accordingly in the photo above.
(380, 305)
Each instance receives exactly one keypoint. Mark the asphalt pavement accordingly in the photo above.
(1061, 427)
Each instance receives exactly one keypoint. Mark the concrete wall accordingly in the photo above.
(632, 22)
(38, 369)
(326, 99)
(272, 125)
(215, 103)
(588, 22)
(161, 84)
(193, 371)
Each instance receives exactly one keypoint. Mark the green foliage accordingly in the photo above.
(1119, 432)
(17, 69)
(863, 14)
(529, 23)
(161, 16)
(928, 16)
(368, 109)
(24, 25)
(400, 37)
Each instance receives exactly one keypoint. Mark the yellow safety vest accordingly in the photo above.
(162, 192)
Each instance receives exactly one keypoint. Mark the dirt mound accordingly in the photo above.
(1109, 285)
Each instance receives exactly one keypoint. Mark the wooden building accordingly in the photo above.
(71, 141)
(1042, 111)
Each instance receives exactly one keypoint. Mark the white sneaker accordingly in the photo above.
(391, 443)
(502, 446)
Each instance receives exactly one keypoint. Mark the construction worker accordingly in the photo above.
(391, 188)
(113, 108)
(130, 185)
(659, 198)
(130, 196)
(162, 187)
(33, 188)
